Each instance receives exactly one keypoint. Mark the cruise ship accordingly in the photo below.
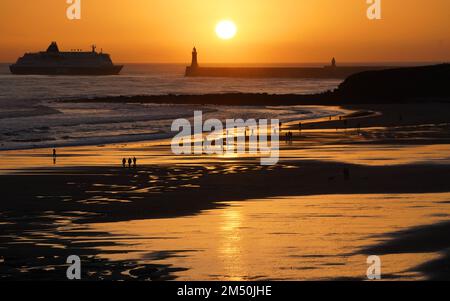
(55, 62)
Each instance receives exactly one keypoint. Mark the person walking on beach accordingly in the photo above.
(124, 162)
(129, 162)
(134, 162)
(54, 156)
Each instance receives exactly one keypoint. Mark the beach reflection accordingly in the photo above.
(374, 155)
(230, 244)
(295, 238)
(153, 153)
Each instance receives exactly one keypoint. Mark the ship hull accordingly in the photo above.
(27, 70)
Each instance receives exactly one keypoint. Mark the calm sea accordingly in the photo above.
(30, 117)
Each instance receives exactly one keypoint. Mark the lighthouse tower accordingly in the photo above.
(194, 63)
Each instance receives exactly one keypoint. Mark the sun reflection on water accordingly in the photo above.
(230, 250)
(293, 238)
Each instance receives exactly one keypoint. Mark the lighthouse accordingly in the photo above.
(194, 63)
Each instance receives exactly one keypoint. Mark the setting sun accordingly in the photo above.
(226, 29)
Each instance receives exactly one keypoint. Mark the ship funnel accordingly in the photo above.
(53, 47)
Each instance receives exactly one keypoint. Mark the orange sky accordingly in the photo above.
(269, 31)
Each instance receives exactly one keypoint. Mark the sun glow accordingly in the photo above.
(226, 29)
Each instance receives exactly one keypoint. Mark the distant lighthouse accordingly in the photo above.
(194, 63)
(333, 63)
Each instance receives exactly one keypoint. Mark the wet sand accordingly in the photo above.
(227, 217)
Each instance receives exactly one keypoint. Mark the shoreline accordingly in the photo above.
(157, 136)
(85, 199)
(326, 98)
(353, 116)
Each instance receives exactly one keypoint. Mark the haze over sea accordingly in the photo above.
(30, 116)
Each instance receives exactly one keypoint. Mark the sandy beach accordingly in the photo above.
(373, 182)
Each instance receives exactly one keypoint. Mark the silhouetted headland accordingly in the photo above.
(398, 85)
(331, 71)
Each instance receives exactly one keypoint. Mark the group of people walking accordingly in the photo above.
(131, 162)
(289, 136)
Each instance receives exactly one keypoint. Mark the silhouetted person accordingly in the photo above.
(54, 156)
(134, 162)
(129, 162)
(124, 162)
